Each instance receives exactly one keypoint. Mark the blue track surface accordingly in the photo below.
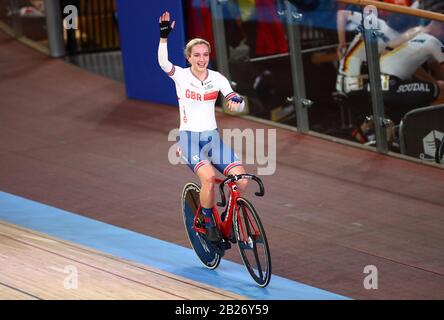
(147, 250)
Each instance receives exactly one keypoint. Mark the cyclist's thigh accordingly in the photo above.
(222, 157)
(190, 150)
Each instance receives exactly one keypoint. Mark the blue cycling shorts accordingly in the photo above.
(200, 148)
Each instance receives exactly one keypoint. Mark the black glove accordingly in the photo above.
(165, 29)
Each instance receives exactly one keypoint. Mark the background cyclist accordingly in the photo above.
(405, 84)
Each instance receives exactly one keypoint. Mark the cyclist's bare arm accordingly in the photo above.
(341, 22)
(437, 70)
(423, 75)
(405, 36)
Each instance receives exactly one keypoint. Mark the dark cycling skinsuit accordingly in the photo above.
(401, 91)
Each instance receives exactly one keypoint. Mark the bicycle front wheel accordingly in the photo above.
(252, 242)
(190, 202)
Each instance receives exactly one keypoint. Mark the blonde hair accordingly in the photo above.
(194, 42)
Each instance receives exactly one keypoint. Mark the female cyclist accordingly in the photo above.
(197, 89)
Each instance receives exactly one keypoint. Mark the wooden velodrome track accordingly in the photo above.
(34, 266)
(72, 140)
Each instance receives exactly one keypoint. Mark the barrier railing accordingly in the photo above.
(374, 71)
(398, 9)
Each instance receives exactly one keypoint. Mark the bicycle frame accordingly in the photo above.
(231, 207)
(239, 224)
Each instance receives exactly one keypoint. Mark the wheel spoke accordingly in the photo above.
(250, 237)
(258, 263)
(253, 247)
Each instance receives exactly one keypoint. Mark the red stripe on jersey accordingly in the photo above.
(171, 73)
(200, 164)
(230, 95)
(211, 95)
(231, 166)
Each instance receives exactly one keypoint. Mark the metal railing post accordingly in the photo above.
(371, 46)
(219, 37)
(301, 103)
(55, 28)
(15, 18)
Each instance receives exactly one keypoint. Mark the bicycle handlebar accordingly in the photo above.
(233, 178)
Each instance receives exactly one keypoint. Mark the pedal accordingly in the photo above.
(232, 238)
(226, 244)
(213, 234)
(219, 248)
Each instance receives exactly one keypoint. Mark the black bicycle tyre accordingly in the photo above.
(439, 153)
(264, 271)
(189, 204)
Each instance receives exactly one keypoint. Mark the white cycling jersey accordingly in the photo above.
(354, 20)
(403, 61)
(196, 98)
(351, 62)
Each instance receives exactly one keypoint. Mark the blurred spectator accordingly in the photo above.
(200, 26)
(35, 9)
(432, 5)
(264, 30)
(305, 5)
(265, 86)
(348, 18)
(262, 27)
(405, 84)
(238, 49)
(352, 76)
(199, 23)
(270, 32)
(401, 22)
(406, 3)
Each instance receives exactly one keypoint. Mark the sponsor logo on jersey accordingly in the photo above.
(414, 87)
(419, 40)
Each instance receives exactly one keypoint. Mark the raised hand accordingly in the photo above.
(165, 26)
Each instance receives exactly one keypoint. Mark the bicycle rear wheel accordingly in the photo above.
(252, 242)
(190, 203)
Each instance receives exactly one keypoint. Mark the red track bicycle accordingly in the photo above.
(239, 223)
